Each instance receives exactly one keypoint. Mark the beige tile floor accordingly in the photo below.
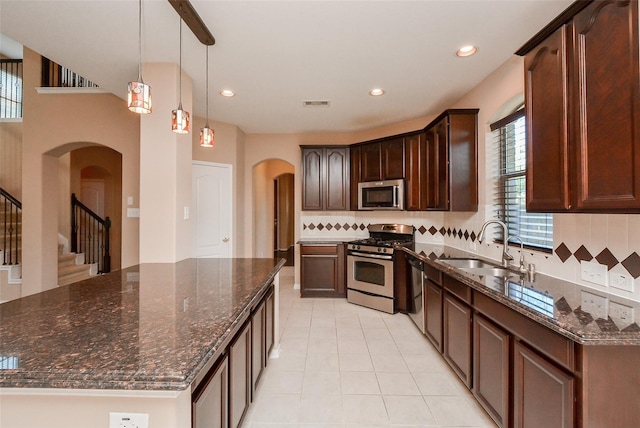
(342, 365)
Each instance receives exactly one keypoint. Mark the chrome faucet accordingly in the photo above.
(523, 265)
(506, 256)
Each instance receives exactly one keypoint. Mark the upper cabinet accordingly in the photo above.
(415, 171)
(325, 178)
(382, 160)
(582, 94)
(452, 161)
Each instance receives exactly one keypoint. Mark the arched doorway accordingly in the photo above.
(273, 187)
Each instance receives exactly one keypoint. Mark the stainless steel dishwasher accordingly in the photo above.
(416, 292)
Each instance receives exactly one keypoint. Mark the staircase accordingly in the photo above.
(71, 268)
(10, 247)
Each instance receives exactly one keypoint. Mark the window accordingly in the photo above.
(535, 229)
(10, 88)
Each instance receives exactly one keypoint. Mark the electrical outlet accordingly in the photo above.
(594, 304)
(128, 420)
(621, 281)
(594, 272)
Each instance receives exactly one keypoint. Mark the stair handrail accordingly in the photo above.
(10, 254)
(105, 263)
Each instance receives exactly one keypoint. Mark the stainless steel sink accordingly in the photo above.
(478, 267)
(469, 263)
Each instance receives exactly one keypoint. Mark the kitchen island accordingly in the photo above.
(136, 340)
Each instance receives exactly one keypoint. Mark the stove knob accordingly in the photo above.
(379, 250)
(358, 247)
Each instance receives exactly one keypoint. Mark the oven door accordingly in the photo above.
(372, 274)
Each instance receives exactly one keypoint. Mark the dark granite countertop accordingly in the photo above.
(148, 327)
(561, 306)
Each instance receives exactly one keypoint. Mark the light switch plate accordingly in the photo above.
(128, 420)
(133, 212)
(594, 272)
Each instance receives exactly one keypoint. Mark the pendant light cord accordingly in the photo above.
(180, 63)
(140, 41)
(207, 87)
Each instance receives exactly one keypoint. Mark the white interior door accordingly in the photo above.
(212, 202)
(92, 195)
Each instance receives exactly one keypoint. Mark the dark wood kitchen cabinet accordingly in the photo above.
(356, 174)
(326, 180)
(323, 270)
(491, 351)
(433, 305)
(457, 334)
(542, 393)
(415, 171)
(258, 344)
(240, 376)
(211, 398)
(382, 159)
(582, 90)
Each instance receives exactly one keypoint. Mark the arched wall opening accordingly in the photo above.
(264, 174)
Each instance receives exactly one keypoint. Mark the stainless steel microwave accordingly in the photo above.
(381, 195)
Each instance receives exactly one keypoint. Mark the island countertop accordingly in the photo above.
(147, 327)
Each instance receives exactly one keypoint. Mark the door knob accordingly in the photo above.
(225, 240)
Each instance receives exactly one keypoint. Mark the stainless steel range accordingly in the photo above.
(370, 265)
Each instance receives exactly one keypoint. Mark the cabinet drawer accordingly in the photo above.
(433, 274)
(331, 250)
(458, 289)
(558, 348)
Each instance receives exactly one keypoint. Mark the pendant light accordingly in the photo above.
(139, 93)
(207, 135)
(180, 122)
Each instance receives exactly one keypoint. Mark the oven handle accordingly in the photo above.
(371, 256)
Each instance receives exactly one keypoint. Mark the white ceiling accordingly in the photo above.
(276, 54)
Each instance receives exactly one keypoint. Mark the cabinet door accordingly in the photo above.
(338, 182)
(313, 178)
(356, 178)
(457, 337)
(258, 344)
(462, 161)
(437, 167)
(392, 152)
(322, 271)
(542, 393)
(491, 369)
(269, 324)
(210, 402)
(371, 162)
(607, 90)
(546, 95)
(433, 313)
(415, 171)
(239, 376)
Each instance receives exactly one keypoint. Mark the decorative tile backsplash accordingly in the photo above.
(613, 241)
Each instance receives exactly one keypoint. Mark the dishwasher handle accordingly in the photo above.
(416, 263)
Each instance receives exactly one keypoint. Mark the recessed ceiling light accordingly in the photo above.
(227, 93)
(376, 92)
(467, 50)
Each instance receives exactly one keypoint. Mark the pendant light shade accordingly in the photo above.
(207, 136)
(139, 93)
(180, 121)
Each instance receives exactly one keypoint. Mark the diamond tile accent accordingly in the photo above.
(442, 231)
(312, 226)
(337, 226)
(329, 226)
(320, 226)
(607, 325)
(583, 317)
(455, 231)
(354, 226)
(433, 230)
(607, 258)
(632, 265)
(422, 230)
(473, 236)
(304, 227)
(466, 235)
(346, 226)
(362, 226)
(582, 254)
(563, 252)
(449, 231)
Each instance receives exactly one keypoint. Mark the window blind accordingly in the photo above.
(10, 89)
(535, 229)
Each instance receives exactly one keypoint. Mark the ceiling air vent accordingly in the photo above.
(315, 103)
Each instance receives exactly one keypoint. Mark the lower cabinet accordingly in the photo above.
(210, 399)
(433, 313)
(222, 397)
(491, 350)
(542, 393)
(323, 270)
(239, 376)
(457, 335)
